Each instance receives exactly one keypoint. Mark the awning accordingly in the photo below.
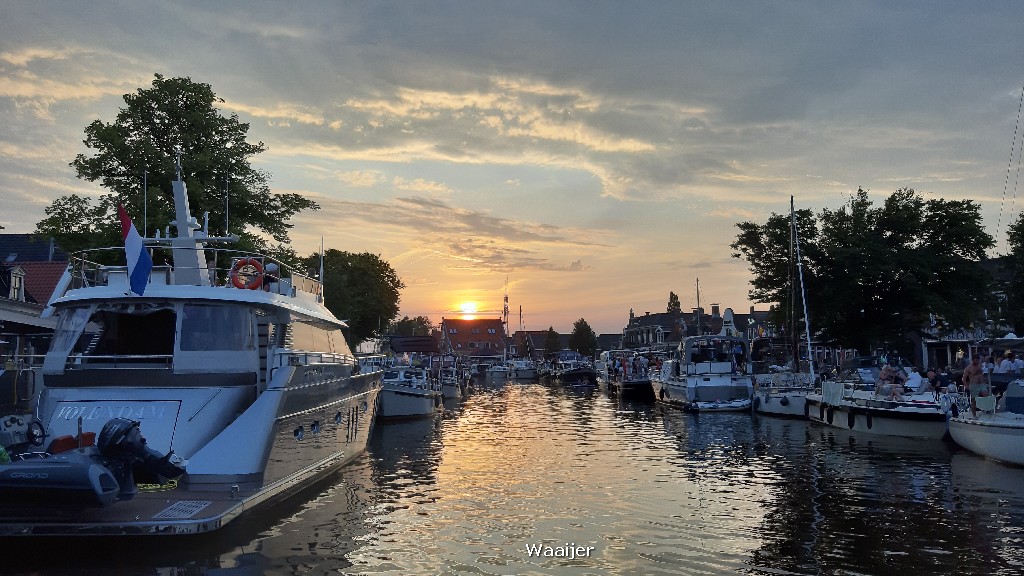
(10, 317)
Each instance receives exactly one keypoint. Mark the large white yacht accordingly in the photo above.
(214, 391)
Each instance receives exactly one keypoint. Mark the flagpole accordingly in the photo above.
(145, 202)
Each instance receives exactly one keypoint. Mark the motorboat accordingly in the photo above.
(522, 370)
(707, 373)
(570, 368)
(856, 400)
(994, 431)
(175, 397)
(408, 391)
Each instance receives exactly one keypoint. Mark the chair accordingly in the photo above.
(986, 403)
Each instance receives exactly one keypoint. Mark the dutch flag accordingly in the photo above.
(139, 262)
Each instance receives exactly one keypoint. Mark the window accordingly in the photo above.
(472, 344)
(215, 328)
(453, 331)
(492, 331)
(17, 285)
(475, 330)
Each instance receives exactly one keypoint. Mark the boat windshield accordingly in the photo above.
(108, 330)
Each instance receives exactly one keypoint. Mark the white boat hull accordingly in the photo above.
(399, 402)
(999, 436)
(782, 403)
(925, 420)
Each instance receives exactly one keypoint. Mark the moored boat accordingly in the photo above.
(993, 432)
(176, 397)
(706, 373)
(407, 391)
(856, 401)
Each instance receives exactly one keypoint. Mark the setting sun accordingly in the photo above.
(468, 309)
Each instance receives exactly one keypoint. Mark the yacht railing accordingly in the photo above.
(87, 270)
(79, 361)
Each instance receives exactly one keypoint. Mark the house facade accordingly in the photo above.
(481, 337)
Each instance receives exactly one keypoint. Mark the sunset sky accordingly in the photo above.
(593, 155)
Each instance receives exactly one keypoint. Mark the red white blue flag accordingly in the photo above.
(139, 262)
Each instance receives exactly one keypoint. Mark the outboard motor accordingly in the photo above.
(122, 445)
(74, 474)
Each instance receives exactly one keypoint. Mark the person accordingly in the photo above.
(271, 275)
(974, 381)
(1018, 365)
(988, 365)
(1005, 364)
(891, 383)
(932, 383)
(914, 379)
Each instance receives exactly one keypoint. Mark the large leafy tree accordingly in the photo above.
(361, 289)
(175, 114)
(583, 338)
(874, 276)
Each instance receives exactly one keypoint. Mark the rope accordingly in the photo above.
(1009, 166)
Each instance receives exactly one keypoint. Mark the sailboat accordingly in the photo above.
(781, 380)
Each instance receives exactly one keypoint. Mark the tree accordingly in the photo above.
(674, 307)
(174, 114)
(583, 339)
(1014, 288)
(551, 342)
(361, 289)
(873, 275)
(418, 326)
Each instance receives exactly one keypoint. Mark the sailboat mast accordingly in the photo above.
(793, 337)
(803, 293)
(698, 306)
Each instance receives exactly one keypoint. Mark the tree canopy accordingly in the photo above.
(361, 289)
(583, 339)
(142, 145)
(418, 326)
(674, 307)
(1014, 289)
(551, 342)
(875, 276)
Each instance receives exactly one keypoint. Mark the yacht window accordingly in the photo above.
(205, 327)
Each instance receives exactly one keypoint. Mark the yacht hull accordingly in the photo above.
(317, 427)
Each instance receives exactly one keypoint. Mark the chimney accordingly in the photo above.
(714, 311)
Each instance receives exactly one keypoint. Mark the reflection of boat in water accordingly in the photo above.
(994, 433)
(853, 402)
(240, 381)
(407, 391)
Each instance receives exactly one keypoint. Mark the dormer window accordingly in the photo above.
(17, 291)
(492, 331)
(453, 331)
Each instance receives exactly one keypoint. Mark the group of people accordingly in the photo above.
(893, 383)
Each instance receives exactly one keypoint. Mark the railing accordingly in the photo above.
(86, 271)
(78, 361)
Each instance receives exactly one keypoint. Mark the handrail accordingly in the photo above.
(86, 272)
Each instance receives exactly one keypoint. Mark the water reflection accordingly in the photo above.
(651, 490)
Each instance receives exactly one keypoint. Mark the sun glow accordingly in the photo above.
(468, 310)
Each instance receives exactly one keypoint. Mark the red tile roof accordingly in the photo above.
(41, 278)
(480, 337)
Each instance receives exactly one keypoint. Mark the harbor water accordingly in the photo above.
(540, 479)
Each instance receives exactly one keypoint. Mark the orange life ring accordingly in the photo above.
(255, 278)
